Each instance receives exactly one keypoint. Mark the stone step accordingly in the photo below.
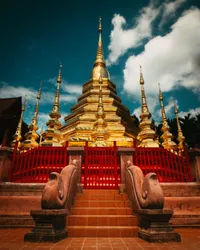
(101, 211)
(16, 221)
(101, 203)
(102, 220)
(108, 196)
(102, 231)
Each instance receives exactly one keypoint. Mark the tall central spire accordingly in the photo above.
(99, 69)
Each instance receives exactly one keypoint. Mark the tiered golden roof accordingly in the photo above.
(17, 136)
(181, 137)
(52, 136)
(80, 125)
(166, 137)
(31, 136)
(147, 135)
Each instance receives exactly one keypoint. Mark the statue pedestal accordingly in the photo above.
(50, 225)
(154, 225)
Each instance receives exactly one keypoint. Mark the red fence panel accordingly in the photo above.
(100, 168)
(169, 166)
(36, 164)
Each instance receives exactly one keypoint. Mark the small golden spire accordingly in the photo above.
(52, 136)
(99, 69)
(35, 116)
(147, 134)
(41, 132)
(181, 137)
(166, 137)
(56, 106)
(17, 136)
(100, 135)
(31, 135)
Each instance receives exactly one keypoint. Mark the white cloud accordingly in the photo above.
(72, 88)
(172, 60)
(169, 8)
(193, 112)
(47, 97)
(7, 91)
(67, 87)
(124, 39)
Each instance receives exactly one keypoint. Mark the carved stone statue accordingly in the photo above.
(57, 199)
(147, 200)
(60, 188)
(146, 192)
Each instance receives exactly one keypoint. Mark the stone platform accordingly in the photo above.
(50, 225)
(183, 198)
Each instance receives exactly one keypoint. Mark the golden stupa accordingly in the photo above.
(99, 93)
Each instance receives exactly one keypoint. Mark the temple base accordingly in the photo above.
(154, 226)
(50, 225)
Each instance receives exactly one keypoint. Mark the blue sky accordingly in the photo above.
(162, 36)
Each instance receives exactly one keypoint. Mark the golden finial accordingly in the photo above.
(141, 76)
(147, 134)
(17, 136)
(59, 78)
(100, 26)
(166, 137)
(181, 137)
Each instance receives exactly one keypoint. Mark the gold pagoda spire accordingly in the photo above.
(100, 135)
(181, 137)
(99, 69)
(147, 134)
(31, 135)
(52, 136)
(166, 137)
(17, 136)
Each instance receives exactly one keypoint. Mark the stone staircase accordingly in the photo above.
(101, 213)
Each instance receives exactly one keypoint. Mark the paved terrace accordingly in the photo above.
(13, 239)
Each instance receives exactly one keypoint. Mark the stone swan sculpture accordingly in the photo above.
(60, 190)
(144, 192)
(147, 200)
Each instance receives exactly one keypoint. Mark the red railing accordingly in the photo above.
(100, 168)
(169, 167)
(36, 164)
